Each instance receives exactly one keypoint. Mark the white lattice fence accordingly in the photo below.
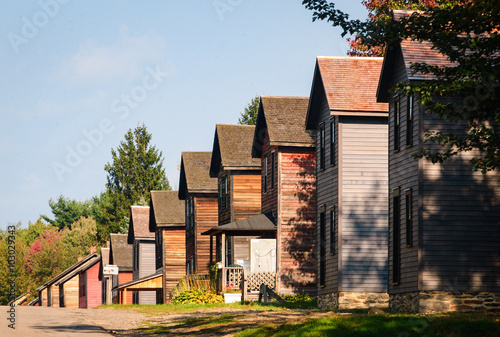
(231, 278)
(256, 279)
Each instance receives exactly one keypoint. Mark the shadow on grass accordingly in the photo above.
(456, 325)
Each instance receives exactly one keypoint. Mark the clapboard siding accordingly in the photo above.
(174, 256)
(364, 203)
(245, 194)
(55, 296)
(94, 287)
(147, 267)
(70, 289)
(327, 194)
(124, 277)
(461, 221)
(205, 218)
(297, 220)
(403, 174)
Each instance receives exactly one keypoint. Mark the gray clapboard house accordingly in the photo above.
(143, 261)
(351, 168)
(444, 218)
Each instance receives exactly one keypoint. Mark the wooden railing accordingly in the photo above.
(238, 278)
(229, 278)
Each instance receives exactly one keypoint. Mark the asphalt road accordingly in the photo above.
(43, 321)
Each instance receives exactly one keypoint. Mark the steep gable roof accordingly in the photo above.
(166, 210)
(349, 85)
(232, 149)
(120, 252)
(284, 119)
(406, 53)
(195, 174)
(138, 227)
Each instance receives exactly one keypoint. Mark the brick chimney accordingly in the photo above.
(92, 250)
(107, 244)
(80, 258)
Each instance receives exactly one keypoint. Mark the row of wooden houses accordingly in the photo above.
(323, 195)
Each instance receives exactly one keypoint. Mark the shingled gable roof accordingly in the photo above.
(284, 118)
(232, 149)
(120, 252)
(166, 210)
(410, 52)
(138, 227)
(195, 174)
(349, 85)
(68, 270)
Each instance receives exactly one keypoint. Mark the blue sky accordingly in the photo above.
(76, 75)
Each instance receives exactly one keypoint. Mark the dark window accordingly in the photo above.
(226, 194)
(220, 194)
(408, 215)
(397, 123)
(322, 248)
(332, 143)
(322, 148)
(396, 251)
(273, 159)
(409, 121)
(332, 229)
(265, 174)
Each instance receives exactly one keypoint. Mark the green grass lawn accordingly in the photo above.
(237, 319)
(400, 325)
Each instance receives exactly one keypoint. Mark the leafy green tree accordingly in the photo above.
(81, 237)
(249, 116)
(135, 170)
(468, 34)
(67, 211)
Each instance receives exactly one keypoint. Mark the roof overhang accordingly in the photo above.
(250, 226)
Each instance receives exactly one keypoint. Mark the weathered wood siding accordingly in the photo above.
(94, 287)
(71, 293)
(55, 296)
(460, 222)
(205, 218)
(43, 298)
(327, 194)
(363, 209)
(175, 259)
(147, 266)
(245, 195)
(82, 288)
(297, 220)
(404, 174)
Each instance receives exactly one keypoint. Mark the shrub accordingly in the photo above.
(197, 296)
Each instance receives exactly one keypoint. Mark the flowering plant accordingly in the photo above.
(232, 289)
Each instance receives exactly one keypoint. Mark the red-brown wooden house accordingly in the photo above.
(90, 287)
(199, 191)
(167, 221)
(239, 185)
(288, 158)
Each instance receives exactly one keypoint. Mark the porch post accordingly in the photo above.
(124, 294)
(211, 249)
(223, 249)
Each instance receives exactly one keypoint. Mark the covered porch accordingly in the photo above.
(253, 258)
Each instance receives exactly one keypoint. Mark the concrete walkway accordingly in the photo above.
(43, 321)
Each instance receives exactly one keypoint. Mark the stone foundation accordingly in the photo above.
(444, 301)
(353, 300)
